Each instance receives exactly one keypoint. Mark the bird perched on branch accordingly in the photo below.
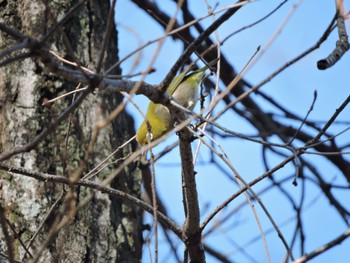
(184, 90)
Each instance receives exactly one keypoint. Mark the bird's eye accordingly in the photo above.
(149, 136)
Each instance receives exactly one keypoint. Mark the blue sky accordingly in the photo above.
(294, 88)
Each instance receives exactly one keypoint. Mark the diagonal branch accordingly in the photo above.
(196, 43)
(324, 248)
(39, 138)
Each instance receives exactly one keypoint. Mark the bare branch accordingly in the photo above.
(197, 42)
(324, 248)
(107, 36)
(39, 138)
(342, 44)
(192, 234)
(12, 32)
(93, 185)
(5, 231)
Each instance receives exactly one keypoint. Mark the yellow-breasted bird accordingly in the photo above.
(184, 89)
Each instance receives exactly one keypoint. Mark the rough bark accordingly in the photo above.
(105, 230)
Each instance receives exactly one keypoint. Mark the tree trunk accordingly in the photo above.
(104, 230)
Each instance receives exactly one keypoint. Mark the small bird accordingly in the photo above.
(184, 89)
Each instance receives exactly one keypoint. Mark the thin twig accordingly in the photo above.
(99, 167)
(278, 71)
(194, 45)
(46, 102)
(64, 20)
(329, 123)
(107, 35)
(155, 205)
(255, 23)
(324, 247)
(93, 185)
(304, 120)
(39, 138)
(49, 213)
(7, 235)
(278, 166)
(241, 182)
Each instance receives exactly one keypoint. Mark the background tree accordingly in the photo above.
(71, 178)
(43, 216)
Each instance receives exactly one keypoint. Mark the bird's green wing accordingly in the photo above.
(176, 81)
(179, 78)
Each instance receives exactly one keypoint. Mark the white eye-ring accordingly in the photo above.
(149, 136)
